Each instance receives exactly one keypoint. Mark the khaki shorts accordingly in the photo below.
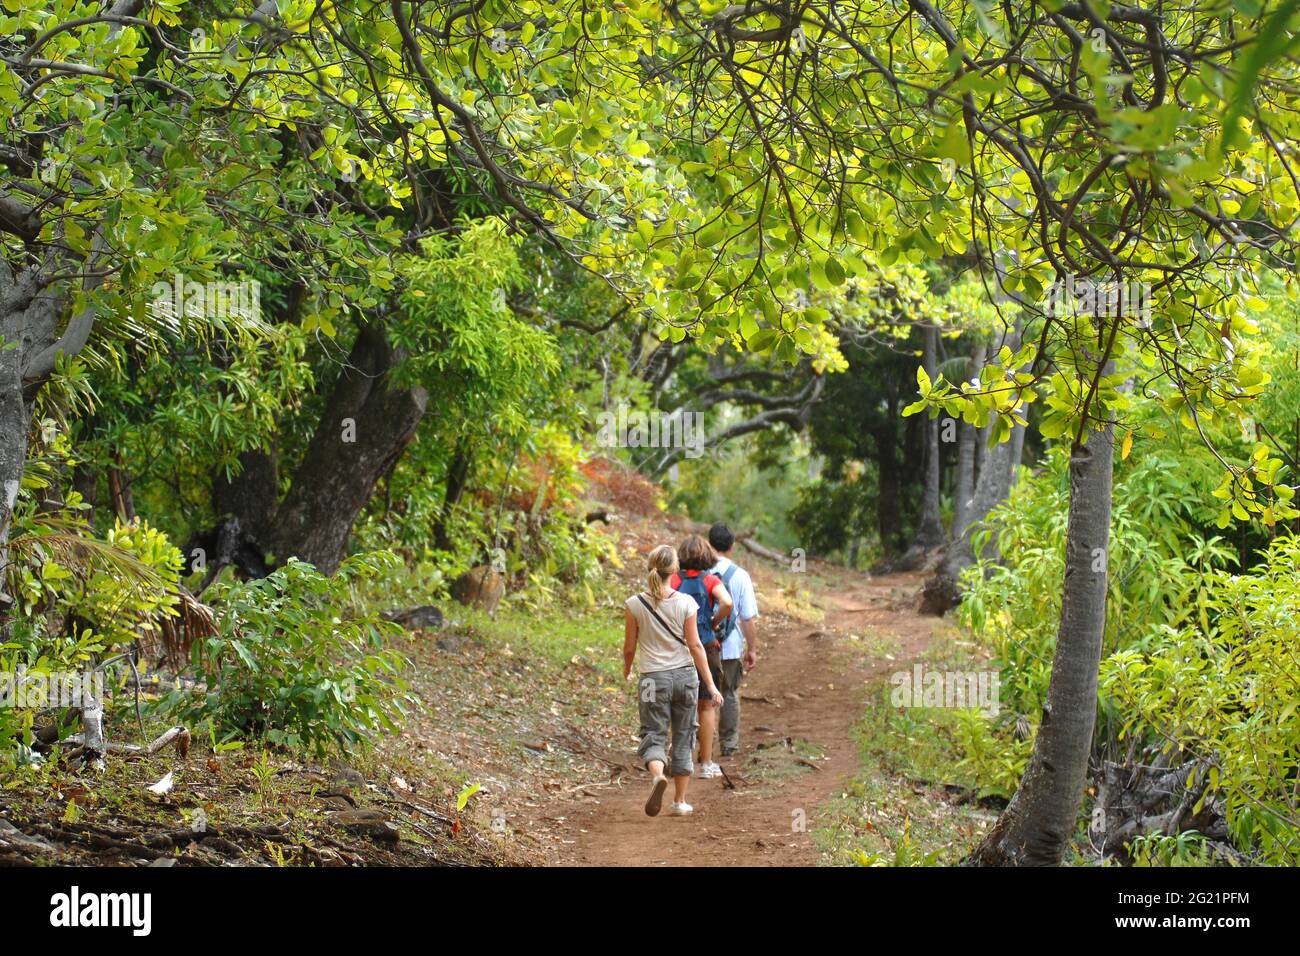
(713, 652)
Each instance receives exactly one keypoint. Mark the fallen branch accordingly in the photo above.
(178, 735)
(745, 538)
(432, 814)
(763, 551)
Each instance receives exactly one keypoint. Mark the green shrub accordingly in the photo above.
(77, 598)
(1188, 848)
(292, 664)
(1224, 687)
(1198, 659)
(1156, 564)
(992, 755)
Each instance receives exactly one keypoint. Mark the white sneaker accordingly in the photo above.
(710, 770)
(680, 809)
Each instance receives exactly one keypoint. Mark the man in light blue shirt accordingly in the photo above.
(740, 643)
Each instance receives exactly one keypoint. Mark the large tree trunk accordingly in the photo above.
(365, 427)
(981, 451)
(997, 471)
(968, 441)
(991, 489)
(1036, 827)
(250, 496)
(92, 727)
(33, 337)
(964, 485)
(942, 590)
(245, 506)
(1017, 455)
(929, 534)
(13, 452)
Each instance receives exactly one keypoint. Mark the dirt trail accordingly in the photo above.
(808, 687)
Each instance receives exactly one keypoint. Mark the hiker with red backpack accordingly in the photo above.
(661, 635)
(713, 604)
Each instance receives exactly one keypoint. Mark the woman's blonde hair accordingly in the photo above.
(663, 565)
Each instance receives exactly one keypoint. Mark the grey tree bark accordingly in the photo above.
(13, 452)
(32, 339)
(991, 489)
(30, 344)
(1017, 454)
(31, 312)
(930, 532)
(997, 469)
(251, 496)
(964, 490)
(1036, 827)
(93, 741)
(363, 431)
(968, 438)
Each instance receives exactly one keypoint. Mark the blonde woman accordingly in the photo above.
(661, 637)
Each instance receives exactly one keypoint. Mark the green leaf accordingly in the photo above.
(711, 234)
(462, 798)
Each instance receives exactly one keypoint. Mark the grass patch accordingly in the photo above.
(562, 636)
(911, 804)
(772, 764)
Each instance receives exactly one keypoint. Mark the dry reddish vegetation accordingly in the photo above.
(627, 490)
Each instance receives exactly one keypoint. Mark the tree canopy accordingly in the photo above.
(304, 278)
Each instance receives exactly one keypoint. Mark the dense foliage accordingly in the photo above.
(1198, 625)
(291, 663)
(286, 286)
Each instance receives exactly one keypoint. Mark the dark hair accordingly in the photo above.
(695, 554)
(721, 537)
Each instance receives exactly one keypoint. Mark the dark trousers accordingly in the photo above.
(729, 722)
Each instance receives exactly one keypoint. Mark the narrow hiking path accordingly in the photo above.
(525, 719)
(800, 707)
(530, 710)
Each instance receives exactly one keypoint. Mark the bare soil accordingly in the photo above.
(799, 708)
